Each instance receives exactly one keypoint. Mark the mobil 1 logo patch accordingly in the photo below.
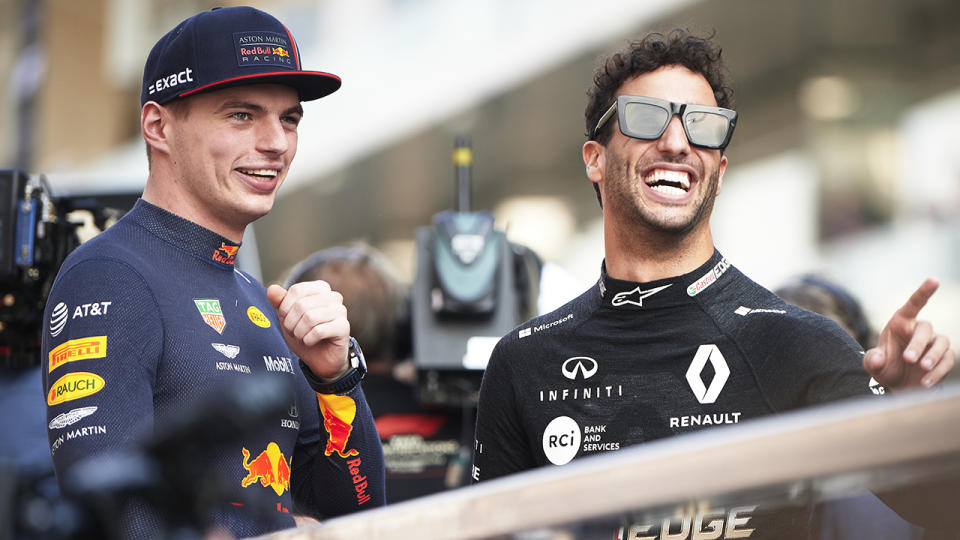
(561, 440)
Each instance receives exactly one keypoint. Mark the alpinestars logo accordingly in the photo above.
(636, 296)
(584, 365)
(712, 354)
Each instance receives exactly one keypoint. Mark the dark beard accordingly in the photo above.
(623, 199)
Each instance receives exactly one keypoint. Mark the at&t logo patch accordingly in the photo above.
(561, 440)
(58, 319)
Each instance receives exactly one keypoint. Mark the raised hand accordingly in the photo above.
(908, 353)
(314, 323)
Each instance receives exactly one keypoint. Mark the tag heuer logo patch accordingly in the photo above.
(212, 314)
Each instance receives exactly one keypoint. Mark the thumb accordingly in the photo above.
(874, 361)
(275, 295)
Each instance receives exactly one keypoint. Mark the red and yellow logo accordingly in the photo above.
(226, 253)
(257, 317)
(271, 468)
(78, 349)
(338, 414)
(74, 386)
(280, 51)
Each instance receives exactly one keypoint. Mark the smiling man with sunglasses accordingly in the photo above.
(673, 338)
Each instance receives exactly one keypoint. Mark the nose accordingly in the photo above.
(674, 139)
(272, 138)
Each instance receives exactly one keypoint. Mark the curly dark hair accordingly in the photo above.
(679, 47)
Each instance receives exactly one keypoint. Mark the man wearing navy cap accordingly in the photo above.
(151, 316)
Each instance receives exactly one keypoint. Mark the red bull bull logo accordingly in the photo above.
(226, 253)
(280, 51)
(338, 414)
(271, 468)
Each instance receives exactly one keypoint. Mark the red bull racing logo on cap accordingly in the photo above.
(338, 414)
(212, 314)
(226, 253)
(271, 468)
(263, 49)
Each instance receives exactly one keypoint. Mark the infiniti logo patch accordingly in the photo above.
(584, 365)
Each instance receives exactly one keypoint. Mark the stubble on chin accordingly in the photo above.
(624, 196)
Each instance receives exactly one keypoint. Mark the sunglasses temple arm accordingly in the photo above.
(603, 119)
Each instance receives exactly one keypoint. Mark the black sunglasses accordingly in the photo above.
(647, 118)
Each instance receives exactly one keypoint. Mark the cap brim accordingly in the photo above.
(310, 85)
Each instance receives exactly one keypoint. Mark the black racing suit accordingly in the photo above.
(626, 363)
(150, 319)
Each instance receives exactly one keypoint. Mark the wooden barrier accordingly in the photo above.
(867, 442)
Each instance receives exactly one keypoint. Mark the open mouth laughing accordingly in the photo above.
(670, 183)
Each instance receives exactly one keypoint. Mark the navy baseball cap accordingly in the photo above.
(226, 47)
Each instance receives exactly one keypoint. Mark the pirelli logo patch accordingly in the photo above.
(78, 349)
(74, 386)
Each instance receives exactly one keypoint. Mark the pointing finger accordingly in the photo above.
(919, 298)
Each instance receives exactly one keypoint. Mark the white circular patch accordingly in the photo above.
(561, 440)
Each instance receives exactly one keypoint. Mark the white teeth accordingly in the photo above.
(664, 175)
(260, 172)
(668, 190)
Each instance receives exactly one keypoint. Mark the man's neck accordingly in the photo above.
(644, 256)
(174, 202)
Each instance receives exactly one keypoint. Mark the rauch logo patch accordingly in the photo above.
(74, 386)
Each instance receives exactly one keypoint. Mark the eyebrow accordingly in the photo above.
(297, 109)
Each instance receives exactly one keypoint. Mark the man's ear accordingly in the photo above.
(721, 168)
(594, 160)
(153, 126)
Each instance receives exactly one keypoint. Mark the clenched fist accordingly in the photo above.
(314, 322)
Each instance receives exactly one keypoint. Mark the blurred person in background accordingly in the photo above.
(426, 448)
(149, 323)
(859, 516)
(673, 337)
